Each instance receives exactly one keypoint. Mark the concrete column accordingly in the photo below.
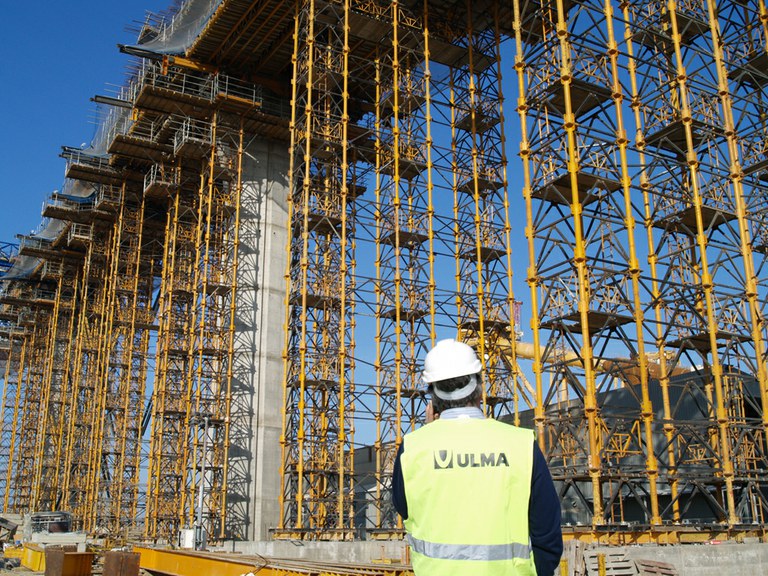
(257, 392)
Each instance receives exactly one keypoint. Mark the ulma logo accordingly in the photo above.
(445, 459)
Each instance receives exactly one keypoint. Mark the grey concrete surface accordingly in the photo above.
(726, 559)
(359, 552)
(256, 421)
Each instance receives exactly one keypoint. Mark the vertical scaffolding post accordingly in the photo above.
(319, 402)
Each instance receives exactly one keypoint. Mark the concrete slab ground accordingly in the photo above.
(724, 559)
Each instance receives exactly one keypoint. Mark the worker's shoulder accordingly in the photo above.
(512, 429)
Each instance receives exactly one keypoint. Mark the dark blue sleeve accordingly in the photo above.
(398, 487)
(544, 517)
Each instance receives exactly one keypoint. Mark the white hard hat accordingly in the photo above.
(450, 359)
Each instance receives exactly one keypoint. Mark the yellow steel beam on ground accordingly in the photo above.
(182, 563)
(664, 535)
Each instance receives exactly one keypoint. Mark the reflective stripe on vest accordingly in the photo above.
(482, 552)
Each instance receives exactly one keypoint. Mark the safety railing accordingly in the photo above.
(205, 86)
(67, 204)
(162, 177)
(108, 196)
(79, 233)
(192, 135)
(33, 243)
(52, 269)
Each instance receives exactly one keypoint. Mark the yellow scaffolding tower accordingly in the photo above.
(643, 176)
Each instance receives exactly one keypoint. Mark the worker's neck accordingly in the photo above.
(463, 412)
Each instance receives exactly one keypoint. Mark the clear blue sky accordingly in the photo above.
(54, 57)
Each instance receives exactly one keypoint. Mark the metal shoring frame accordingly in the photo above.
(532, 276)
(142, 362)
(11, 388)
(312, 468)
(210, 396)
(580, 258)
(128, 471)
(430, 167)
(700, 442)
(405, 294)
(669, 427)
(67, 294)
(513, 365)
(287, 455)
(512, 390)
(565, 442)
(62, 447)
(184, 436)
(191, 459)
(231, 329)
(563, 228)
(647, 412)
(756, 316)
(382, 428)
(345, 442)
(73, 455)
(160, 391)
(304, 264)
(31, 410)
(100, 494)
(482, 229)
(44, 475)
(706, 276)
(18, 504)
(105, 246)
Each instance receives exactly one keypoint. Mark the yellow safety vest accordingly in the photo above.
(467, 484)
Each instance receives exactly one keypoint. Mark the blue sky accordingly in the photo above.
(53, 58)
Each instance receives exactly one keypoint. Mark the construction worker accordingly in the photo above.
(475, 493)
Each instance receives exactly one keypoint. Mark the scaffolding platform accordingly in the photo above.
(317, 301)
(406, 314)
(658, 34)
(93, 169)
(701, 342)
(82, 213)
(487, 253)
(759, 169)
(589, 185)
(139, 148)
(753, 71)
(532, 18)
(672, 137)
(171, 100)
(585, 96)
(684, 221)
(486, 184)
(404, 237)
(596, 322)
(408, 102)
(485, 118)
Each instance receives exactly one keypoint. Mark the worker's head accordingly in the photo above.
(452, 373)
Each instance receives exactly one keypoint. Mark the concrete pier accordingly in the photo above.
(257, 396)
